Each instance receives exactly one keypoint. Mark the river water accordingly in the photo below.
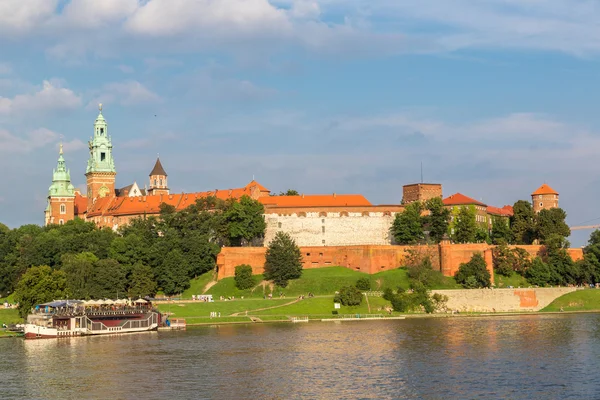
(525, 357)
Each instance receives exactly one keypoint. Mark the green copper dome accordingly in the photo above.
(101, 159)
(61, 179)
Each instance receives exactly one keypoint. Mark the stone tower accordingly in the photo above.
(158, 180)
(61, 195)
(100, 171)
(544, 198)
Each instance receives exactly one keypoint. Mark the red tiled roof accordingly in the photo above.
(80, 204)
(505, 211)
(544, 189)
(460, 199)
(316, 200)
(253, 183)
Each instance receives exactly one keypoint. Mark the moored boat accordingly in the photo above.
(68, 318)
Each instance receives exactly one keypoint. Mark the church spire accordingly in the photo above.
(100, 171)
(61, 194)
(158, 179)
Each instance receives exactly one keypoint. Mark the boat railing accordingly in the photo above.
(129, 324)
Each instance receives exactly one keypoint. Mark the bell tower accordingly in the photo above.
(158, 180)
(61, 195)
(100, 171)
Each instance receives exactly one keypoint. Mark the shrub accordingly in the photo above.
(475, 268)
(335, 312)
(423, 272)
(388, 294)
(363, 284)
(349, 296)
(243, 277)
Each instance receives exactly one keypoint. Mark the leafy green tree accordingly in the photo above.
(349, 296)
(108, 280)
(289, 192)
(475, 268)
(482, 236)
(522, 223)
(522, 260)
(40, 285)
(245, 221)
(465, 226)
(199, 252)
(504, 259)
(141, 282)
(243, 277)
(501, 230)
(539, 273)
(551, 223)
(79, 269)
(408, 227)
(438, 220)
(363, 284)
(283, 260)
(424, 273)
(565, 271)
(173, 277)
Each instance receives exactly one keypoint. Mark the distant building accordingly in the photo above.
(420, 192)
(544, 198)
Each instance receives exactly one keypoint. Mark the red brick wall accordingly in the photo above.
(369, 259)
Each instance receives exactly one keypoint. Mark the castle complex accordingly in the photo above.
(312, 220)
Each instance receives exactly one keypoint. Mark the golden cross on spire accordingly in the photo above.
(100, 107)
(61, 148)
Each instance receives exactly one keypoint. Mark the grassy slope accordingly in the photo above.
(580, 300)
(10, 316)
(198, 284)
(324, 281)
(515, 280)
(202, 309)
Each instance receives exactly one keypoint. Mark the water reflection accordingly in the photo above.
(502, 357)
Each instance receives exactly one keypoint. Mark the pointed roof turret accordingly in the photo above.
(158, 169)
(61, 178)
(544, 189)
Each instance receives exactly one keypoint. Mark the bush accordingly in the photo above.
(423, 272)
(243, 277)
(388, 294)
(349, 296)
(363, 284)
(335, 312)
(475, 268)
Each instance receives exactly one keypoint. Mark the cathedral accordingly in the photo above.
(312, 220)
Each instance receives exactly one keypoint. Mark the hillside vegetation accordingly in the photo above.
(580, 300)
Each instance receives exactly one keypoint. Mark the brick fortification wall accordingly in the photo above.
(368, 258)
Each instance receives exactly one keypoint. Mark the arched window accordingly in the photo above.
(161, 182)
(155, 182)
(344, 214)
(61, 222)
(63, 209)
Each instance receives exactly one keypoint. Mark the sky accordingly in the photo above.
(492, 97)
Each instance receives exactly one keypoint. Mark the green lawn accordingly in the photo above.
(9, 316)
(580, 300)
(322, 282)
(10, 299)
(202, 309)
(515, 280)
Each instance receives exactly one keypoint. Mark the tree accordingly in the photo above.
(540, 273)
(245, 220)
(424, 273)
(465, 226)
(243, 277)
(522, 223)
(363, 284)
(40, 285)
(141, 282)
(108, 280)
(79, 269)
(501, 230)
(475, 268)
(348, 296)
(283, 260)
(438, 220)
(504, 259)
(564, 270)
(551, 223)
(408, 227)
(173, 276)
(289, 192)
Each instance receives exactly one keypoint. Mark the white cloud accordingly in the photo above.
(51, 97)
(5, 68)
(127, 93)
(93, 14)
(20, 17)
(11, 143)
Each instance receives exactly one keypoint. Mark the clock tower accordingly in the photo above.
(100, 171)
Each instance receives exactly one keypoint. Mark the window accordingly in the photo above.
(279, 224)
(161, 182)
(102, 156)
(540, 197)
(541, 204)
(155, 182)
(307, 254)
(61, 222)
(323, 221)
(323, 241)
(101, 130)
(63, 209)
(323, 229)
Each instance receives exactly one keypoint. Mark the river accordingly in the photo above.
(525, 357)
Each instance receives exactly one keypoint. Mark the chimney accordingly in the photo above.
(334, 195)
(302, 195)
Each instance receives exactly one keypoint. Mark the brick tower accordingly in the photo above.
(544, 198)
(61, 195)
(158, 180)
(100, 171)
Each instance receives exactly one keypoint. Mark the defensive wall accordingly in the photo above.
(370, 259)
(502, 300)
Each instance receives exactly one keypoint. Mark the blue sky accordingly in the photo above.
(495, 97)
